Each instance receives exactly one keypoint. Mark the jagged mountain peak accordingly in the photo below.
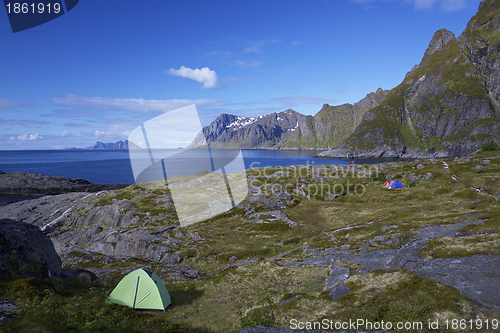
(439, 41)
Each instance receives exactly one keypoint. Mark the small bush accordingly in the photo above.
(490, 146)
(442, 190)
(379, 176)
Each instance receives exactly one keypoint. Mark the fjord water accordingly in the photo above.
(114, 167)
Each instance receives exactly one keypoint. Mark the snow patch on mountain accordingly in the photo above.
(241, 122)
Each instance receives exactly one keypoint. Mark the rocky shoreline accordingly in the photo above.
(25, 184)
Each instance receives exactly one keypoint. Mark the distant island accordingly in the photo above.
(119, 145)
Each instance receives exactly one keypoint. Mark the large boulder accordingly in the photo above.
(26, 251)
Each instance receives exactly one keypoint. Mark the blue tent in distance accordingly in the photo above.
(393, 184)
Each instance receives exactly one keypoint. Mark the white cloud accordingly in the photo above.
(66, 134)
(103, 136)
(204, 76)
(255, 47)
(7, 104)
(453, 5)
(258, 46)
(99, 134)
(423, 4)
(25, 137)
(248, 63)
(362, 2)
(444, 5)
(130, 104)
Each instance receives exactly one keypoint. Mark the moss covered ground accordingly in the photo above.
(363, 217)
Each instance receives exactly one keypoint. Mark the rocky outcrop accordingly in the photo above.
(26, 251)
(103, 223)
(6, 306)
(22, 183)
(447, 106)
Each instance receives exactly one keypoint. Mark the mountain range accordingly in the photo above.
(446, 106)
(287, 129)
(120, 145)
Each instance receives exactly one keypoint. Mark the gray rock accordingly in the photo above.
(361, 271)
(420, 166)
(233, 258)
(338, 291)
(195, 236)
(6, 306)
(288, 300)
(320, 261)
(171, 258)
(74, 273)
(476, 276)
(190, 273)
(26, 251)
(338, 274)
(330, 197)
(387, 227)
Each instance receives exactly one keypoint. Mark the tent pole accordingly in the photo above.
(136, 288)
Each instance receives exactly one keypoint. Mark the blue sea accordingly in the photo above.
(114, 166)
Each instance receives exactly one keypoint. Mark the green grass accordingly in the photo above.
(450, 247)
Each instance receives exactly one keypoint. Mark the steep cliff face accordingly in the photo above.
(332, 124)
(482, 42)
(446, 106)
(327, 128)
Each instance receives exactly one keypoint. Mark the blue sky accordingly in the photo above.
(105, 67)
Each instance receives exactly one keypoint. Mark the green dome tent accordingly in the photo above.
(141, 289)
